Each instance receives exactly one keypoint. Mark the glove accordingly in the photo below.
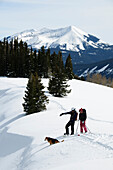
(61, 114)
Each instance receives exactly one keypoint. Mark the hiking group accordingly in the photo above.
(73, 118)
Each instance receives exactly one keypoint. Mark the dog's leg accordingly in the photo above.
(50, 142)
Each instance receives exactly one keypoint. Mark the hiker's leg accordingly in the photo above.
(67, 128)
(81, 127)
(85, 128)
(72, 128)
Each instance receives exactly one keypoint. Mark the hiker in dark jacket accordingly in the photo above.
(71, 123)
(82, 118)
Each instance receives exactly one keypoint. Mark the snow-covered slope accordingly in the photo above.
(69, 38)
(22, 145)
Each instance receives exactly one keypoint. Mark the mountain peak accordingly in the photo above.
(70, 38)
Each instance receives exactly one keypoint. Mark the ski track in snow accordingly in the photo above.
(93, 139)
(58, 105)
(100, 120)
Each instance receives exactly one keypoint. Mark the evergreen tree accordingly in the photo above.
(35, 99)
(21, 59)
(5, 56)
(35, 61)
(26, 64)
(31, 62)
(60, 63)
(58, 84)
(48, 66)
(44, 68)
(45, 60)
(39, 64)
(53, 62)
(16, 58)
(69, 68)
(2, 62)
(11, 69)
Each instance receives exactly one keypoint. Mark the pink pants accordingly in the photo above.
(83, 126)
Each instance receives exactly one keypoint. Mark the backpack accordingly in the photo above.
(84, 110)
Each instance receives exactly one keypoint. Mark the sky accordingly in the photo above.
(92, 16)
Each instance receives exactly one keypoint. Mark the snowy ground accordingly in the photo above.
(22, 145)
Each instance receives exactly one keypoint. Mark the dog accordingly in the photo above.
(52, 140)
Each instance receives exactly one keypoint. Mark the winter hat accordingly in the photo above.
(80, 110)
(73, 109)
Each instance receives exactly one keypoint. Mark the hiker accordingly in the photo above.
(71, 122)
(82, 118)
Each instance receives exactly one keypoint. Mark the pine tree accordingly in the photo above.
(5, 56)
(2, 62)
(12, 59)
(35, 61)
(16, 58)
(42, 62)
(31, 62)
(48, 66)
(35, 99)
(39, 64)
(26, 64)
(53, 62)
(69, 68)
(58, 84)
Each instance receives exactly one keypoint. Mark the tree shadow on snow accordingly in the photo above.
(10, 143)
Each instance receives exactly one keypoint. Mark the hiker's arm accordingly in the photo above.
(61, 114)
(64, 113)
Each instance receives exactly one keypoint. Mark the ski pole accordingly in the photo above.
(88, 129)
(77, 127)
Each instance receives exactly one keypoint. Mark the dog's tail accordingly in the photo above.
(62, 141)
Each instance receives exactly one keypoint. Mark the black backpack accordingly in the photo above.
(84, 110)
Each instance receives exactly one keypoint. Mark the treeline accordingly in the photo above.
(14, 58)
(99, 79)
(18, 60)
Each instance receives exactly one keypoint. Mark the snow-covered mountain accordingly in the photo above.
(22, 145)
(69, 38)
(83, 47)
(104, 68)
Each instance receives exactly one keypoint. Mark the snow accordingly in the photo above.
(69, 37)
(93, 69)
(109, 71)
(102, 69)
(22, 145)
(85, 73)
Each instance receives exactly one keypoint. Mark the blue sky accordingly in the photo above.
(92, 16)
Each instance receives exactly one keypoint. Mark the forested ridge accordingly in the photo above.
(18, 60)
